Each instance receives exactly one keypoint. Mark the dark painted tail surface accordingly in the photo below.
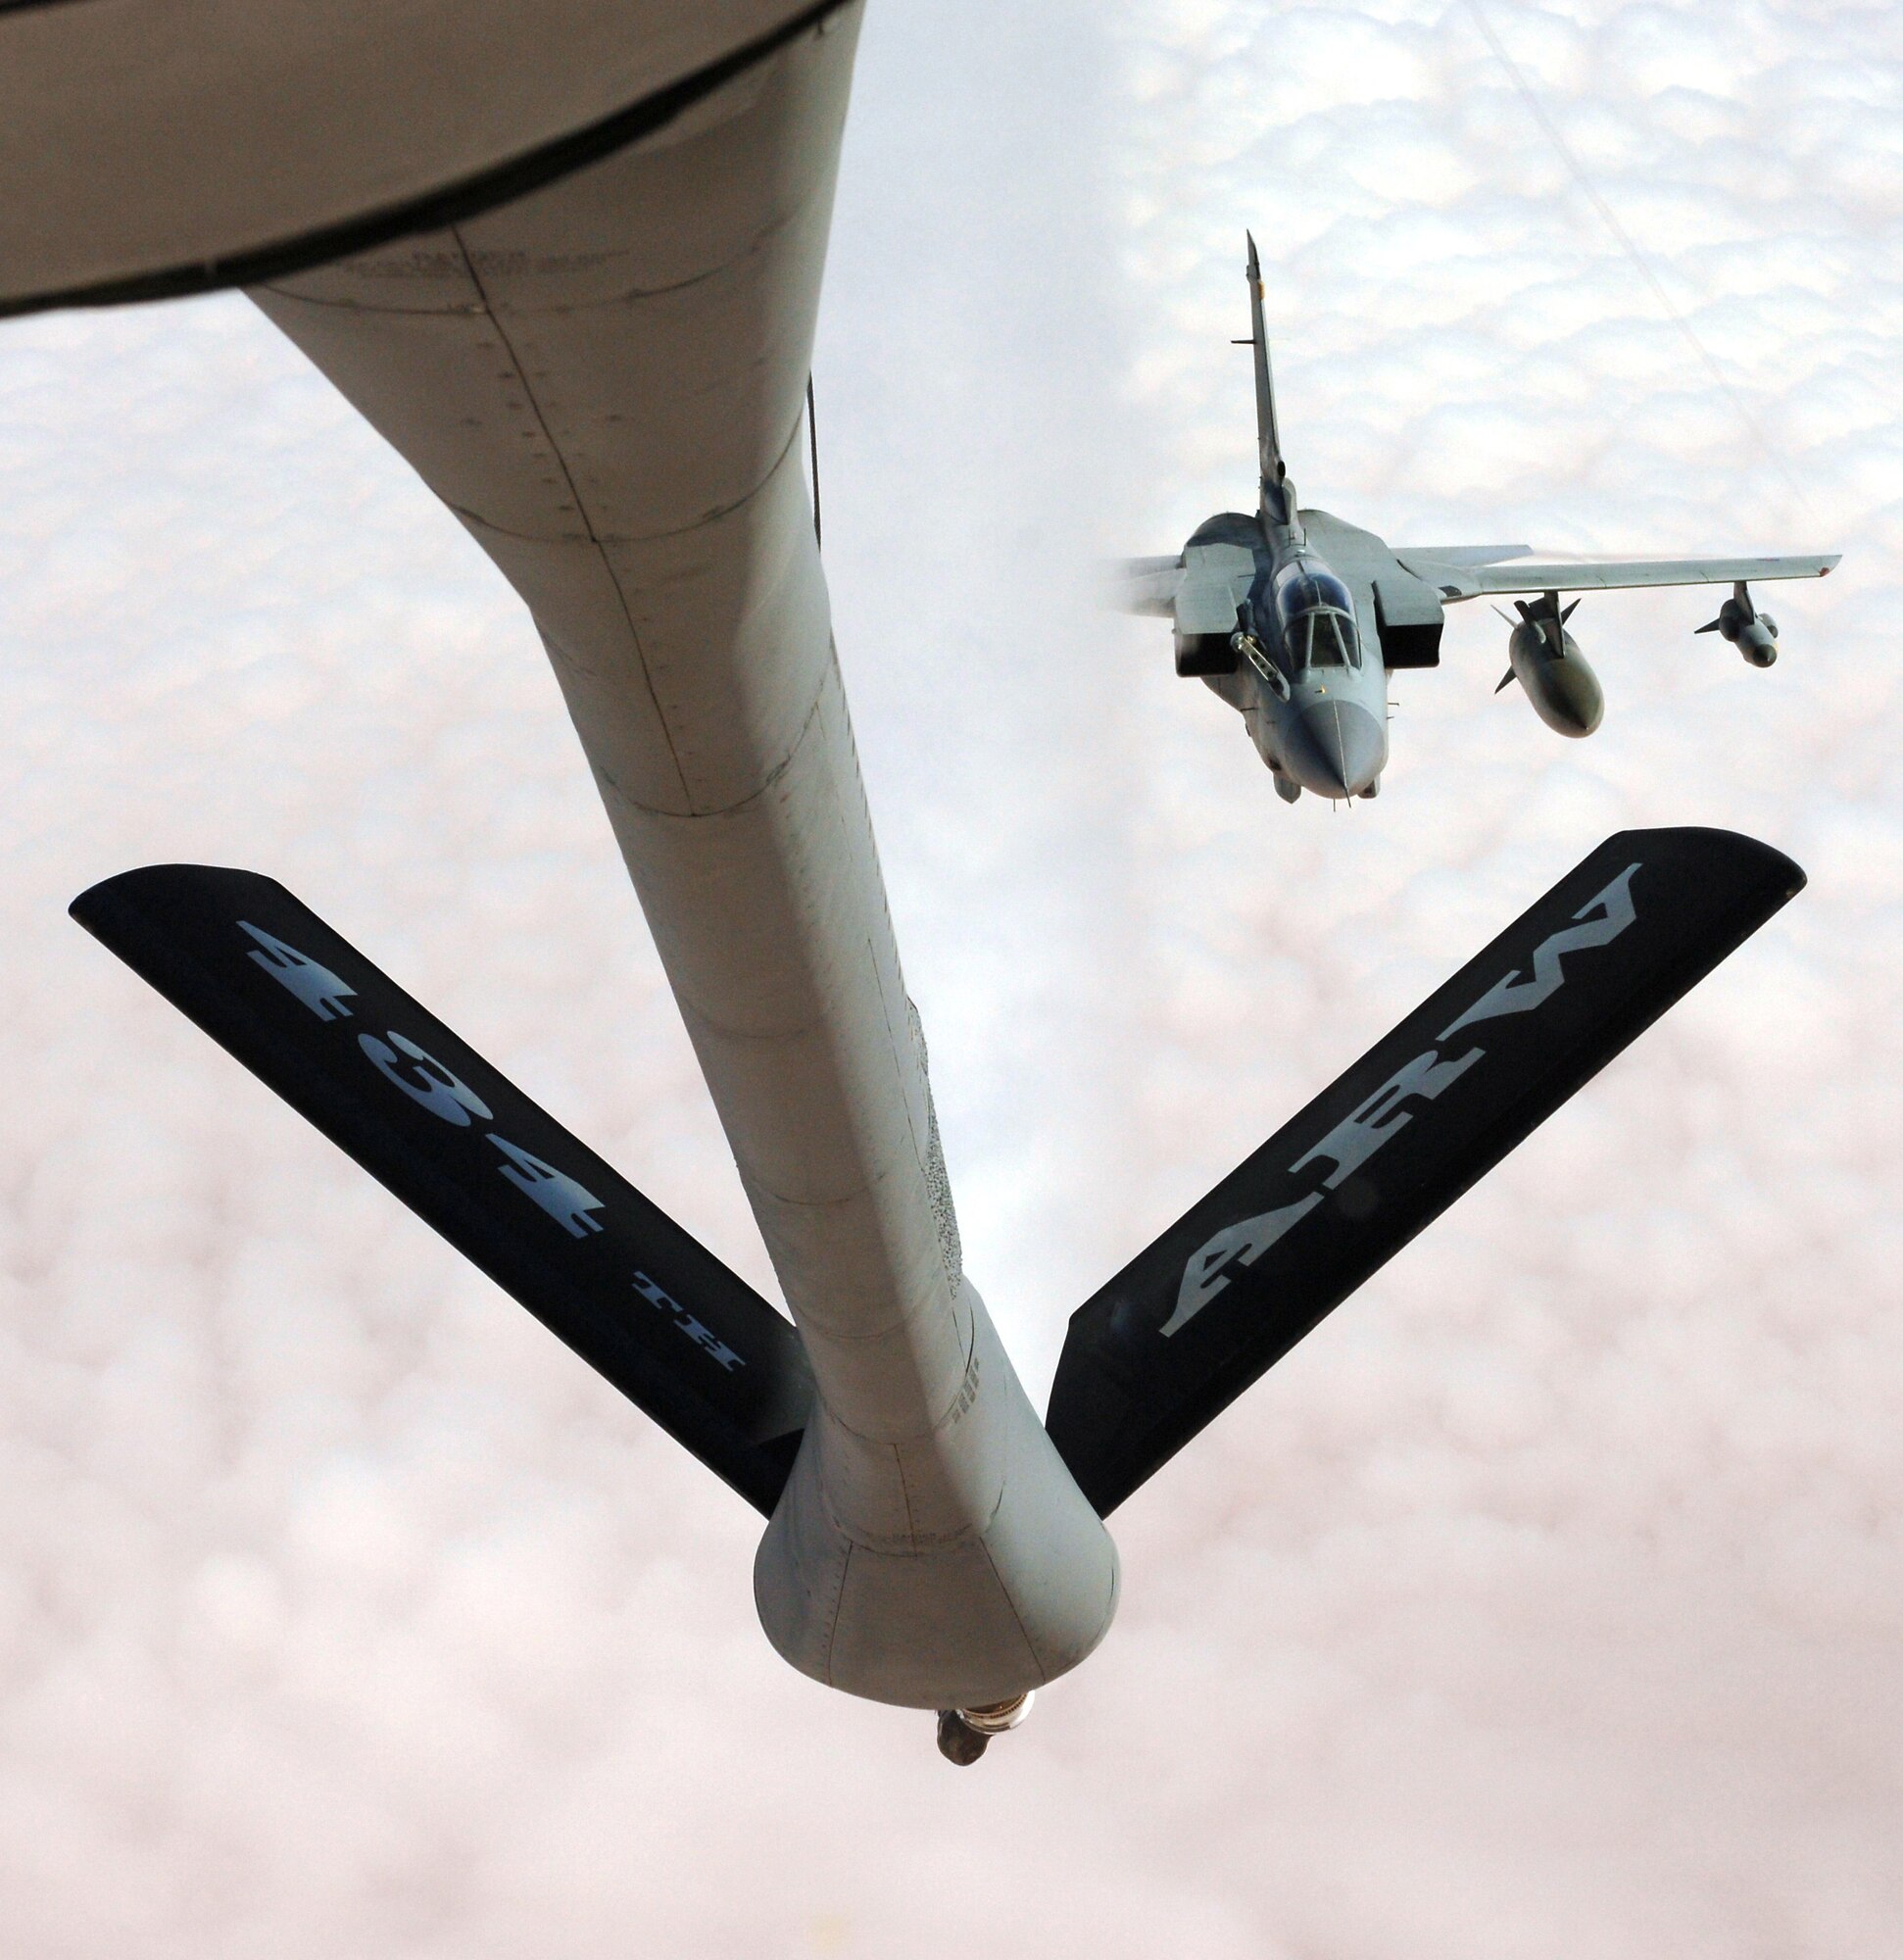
(1268, 438)
(1230, 1288)
(547, 1219)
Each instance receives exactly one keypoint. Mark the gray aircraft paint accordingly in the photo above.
(605, 382)
(1322, 725)
(1310, 688)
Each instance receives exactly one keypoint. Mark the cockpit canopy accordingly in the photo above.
(1316, 617)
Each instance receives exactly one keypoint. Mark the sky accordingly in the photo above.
(1546, 1602)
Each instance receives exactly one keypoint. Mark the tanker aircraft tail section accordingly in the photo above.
(642, 1303)
(1236, 1281)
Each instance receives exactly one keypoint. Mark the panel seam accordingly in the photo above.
(581, 507)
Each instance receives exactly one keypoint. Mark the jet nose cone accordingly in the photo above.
(1346, 748)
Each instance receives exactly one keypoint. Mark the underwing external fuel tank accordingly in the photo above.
(1546, 659)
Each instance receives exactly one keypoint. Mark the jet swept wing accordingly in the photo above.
(1464, 577)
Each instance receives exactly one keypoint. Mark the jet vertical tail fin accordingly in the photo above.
(1276, 504)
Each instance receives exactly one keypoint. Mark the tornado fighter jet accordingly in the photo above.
(1296, 618)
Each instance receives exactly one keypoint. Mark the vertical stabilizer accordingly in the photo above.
(1268, 442)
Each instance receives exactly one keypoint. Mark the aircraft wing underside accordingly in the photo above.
(1460, 578)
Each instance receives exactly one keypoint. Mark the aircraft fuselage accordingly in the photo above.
(1308, 678)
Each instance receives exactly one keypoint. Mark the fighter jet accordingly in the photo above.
(1296, 618)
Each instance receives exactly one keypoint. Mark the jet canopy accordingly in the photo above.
(1316, 617)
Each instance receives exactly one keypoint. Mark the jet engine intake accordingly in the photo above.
(1753, 633)
(1546, 659)
(1201, 653)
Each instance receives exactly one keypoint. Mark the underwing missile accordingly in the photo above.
(1753, 633)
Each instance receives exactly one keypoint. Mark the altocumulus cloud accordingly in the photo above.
(1546, 1602)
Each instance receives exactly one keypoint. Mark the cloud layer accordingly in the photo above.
(1547, 1602)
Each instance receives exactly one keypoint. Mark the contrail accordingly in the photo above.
(1643, 266)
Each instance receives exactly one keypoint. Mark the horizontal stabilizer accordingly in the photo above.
(1230, 1288)
(547, 1220)
(1144, 585)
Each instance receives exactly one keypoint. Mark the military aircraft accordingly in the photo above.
(573, 279)
(1296, 619)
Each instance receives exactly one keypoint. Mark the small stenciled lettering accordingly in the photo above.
(555, 1191)
(967, 1392)
(438, 1089)
(702, 1336)
(319, 989)
(706, 1338)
